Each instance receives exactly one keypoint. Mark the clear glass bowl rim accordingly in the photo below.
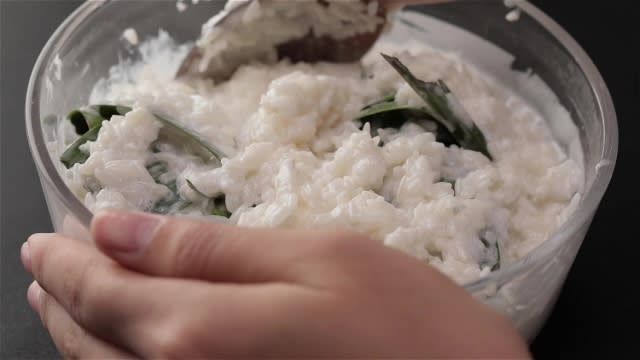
(49, 175)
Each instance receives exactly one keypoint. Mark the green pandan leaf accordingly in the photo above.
(88, 121)
(445, 108)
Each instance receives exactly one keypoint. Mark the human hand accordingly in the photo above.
(163, 287)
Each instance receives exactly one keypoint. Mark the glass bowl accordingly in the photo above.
(532, 49)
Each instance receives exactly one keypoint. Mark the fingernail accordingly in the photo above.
(25, 256)
(127, 232)
(33, 296)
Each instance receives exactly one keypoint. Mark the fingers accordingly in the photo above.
(148, 316)
(75, 273)
(72, 341)
(107, 300)
(186, 248)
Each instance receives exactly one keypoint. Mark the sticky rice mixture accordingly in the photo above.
(295, 157)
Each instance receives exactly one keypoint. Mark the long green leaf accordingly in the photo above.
(386, 113)
(170, 205)
(82, 121)
(92, 116)
(195, 189)
(387, 99)
(492, 256)
(73, 155)
(107, 111)
(157, 169)
(88, 122)
(210, 151)
(216, 205)
(380, 107)
(173, 202)
(445, 108)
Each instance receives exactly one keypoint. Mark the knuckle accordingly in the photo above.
(193, 249)
(83, 283)
(76, 289)
(346, 255)
(90, 294)
(340, 242)
(45, 308)
(175, 340)
(205, 337)
(71, 342)
(67, 337)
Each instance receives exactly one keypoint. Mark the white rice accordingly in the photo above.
(296, 158)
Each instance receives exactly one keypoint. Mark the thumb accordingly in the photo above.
(187, 248)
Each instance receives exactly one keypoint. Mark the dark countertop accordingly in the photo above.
(597, 313)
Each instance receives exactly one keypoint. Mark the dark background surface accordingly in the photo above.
(597, 313)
